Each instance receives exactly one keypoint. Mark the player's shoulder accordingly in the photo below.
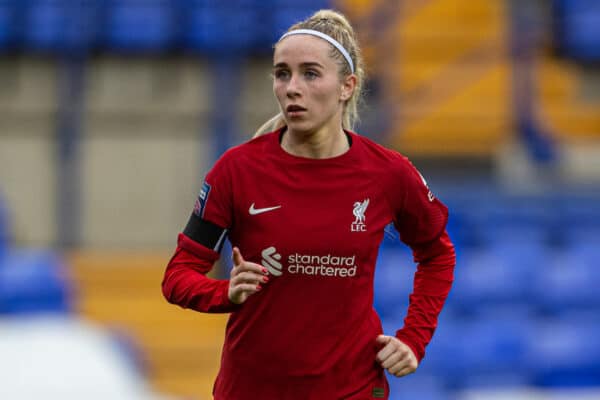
(246, 151)
(380, 155)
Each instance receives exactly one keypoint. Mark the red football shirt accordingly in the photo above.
(316, 225)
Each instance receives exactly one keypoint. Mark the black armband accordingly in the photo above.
(205, 233)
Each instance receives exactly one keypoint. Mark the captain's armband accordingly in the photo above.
(205, 233)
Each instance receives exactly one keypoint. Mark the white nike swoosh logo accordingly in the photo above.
(255, 211)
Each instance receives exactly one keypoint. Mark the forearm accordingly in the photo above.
(185, 282)
(432, 283)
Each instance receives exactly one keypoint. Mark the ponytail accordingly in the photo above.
(276, 122)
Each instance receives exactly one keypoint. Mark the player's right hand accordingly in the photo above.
(246, 278)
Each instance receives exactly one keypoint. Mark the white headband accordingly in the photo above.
(322, 35)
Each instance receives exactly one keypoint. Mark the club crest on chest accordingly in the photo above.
(359, 224)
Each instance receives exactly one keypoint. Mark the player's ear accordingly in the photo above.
(348, 86)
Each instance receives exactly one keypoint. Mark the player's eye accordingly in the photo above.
(281, 74)
(311, 74)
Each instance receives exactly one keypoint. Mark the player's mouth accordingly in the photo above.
(294, 110)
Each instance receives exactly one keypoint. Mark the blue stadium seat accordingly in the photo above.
(501, 274)
(33, 281)
(583, 234)
(579, 22)
(216, 27)
(441, 358)
(571, 280)
(495, 352)
(393, 281)
(565, 352)
(59, 25)
(485, 219)
(580, 219)
(9, 26)
(140, 26)
(516, 220)
(478, 352)
(458, 229)
(45, 21)
(417, 386)
(286, 13)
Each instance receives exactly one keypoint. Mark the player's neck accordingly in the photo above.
(319, 144)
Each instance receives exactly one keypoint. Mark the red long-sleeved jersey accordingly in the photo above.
(316, 225)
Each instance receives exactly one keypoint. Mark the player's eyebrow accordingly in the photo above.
(304, 64)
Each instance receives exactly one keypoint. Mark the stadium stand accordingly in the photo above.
(393, 280)
(8, 25)
(566, 351)
(222, 28)
(487, 351)
(44, 24)
(571, 116)
(443, 61)
(489, 276)
(578, 26)
(530, 271)
(58, 26)
(288, 12)
(523, 311)
(419, 386)
(570, 280)
(139, 27)
(181, 349)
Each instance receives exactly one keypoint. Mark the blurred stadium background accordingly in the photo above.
(112, 111)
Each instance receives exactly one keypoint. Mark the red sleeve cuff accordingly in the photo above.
(417, 350)
(186, 284)
(221, 298)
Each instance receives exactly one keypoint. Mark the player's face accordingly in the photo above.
(307, 84)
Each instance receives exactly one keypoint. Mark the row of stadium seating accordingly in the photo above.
(523, 310)
(455, 86)
(554, 219)
(506, 349)
(34, 281)
(542, 280)
(208, 25)
(577, 28)
(521, 313)
(38, 320)
(149, 25)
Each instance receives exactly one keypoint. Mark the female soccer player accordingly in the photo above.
(305, 208)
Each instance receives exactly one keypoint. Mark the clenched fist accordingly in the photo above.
(396, 357)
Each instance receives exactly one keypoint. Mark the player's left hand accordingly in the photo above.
(396, 357)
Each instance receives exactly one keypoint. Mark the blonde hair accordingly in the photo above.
(334, 24)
